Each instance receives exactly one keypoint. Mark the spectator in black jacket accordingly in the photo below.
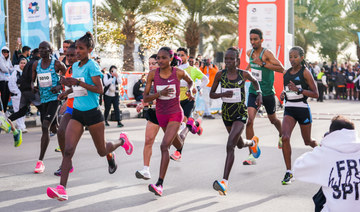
(139, 87)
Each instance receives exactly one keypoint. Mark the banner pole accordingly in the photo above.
(7, 24)
(96, 37)
(52, 23)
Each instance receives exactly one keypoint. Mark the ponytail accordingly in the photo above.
(176, 61)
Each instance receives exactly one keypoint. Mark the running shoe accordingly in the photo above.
(58, 149)
(250, 160)
(157, 190)
(4, 124)
(58, 193)
(221, 187)
(128, 146)
(18, 138)
(191, 125)
(199, 129)
(112, 163)
(287, 178)
(143, 174)
(255, 150)
(280, 143)
(176, 156)
(58, 172)
(107, 123)
(24, 130)
(40, 167)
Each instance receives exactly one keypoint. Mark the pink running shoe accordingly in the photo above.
(191, 125)
(176, 156)
(58, 193)
(40, 167)
(128, 146)
(157, 190)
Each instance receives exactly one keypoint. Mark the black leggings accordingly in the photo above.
(5, 94)
(112, 100)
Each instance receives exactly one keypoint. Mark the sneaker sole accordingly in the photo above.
(154, 191)
(54, 195)
(140, 176)
(248, 164)
(113, 170)
(38, 171)
(218, 188)
(174, 159)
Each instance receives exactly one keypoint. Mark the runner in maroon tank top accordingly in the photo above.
(168, 110)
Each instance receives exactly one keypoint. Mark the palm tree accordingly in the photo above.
(206, 16)
(321, 22)
(353, 13)
(14, 20)
(129, 15)
(59, 26)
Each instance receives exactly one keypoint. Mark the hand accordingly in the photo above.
(56, 89)
(194, 90)
(282, 96)
(139, 107)
(228, 94)
(257, 60)
(166, 91)
(114, 74)
(71, 81)
(190, 96)
(62, 96)
(258, 100)
(292, 86)
(63, 81)
(35, 90)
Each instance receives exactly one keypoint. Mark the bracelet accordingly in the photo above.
(259, 91)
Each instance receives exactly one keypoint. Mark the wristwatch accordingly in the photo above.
(263, 64)
(300, 91)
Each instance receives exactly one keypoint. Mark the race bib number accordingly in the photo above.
(236, 95)
(351, 77)
(45, 80)
(78, 90)
(292, 95)
(257, 74)
(171, 95)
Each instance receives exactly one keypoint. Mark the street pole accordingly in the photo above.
(7, 24)
(96, 37)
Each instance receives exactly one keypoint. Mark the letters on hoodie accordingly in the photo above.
(344, 179)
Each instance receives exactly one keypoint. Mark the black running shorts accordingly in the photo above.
(150, 115)
(49, 110)
(188, 107)
(300, 114)
(88, 118)
(268, 102)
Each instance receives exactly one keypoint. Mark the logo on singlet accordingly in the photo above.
(170, 80)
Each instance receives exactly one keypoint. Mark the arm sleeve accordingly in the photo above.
(95, 70)
(3, 67)
(323, 80)
(107, 80)
(308, 167)
(12, 83)
(357, 79)
(204, 79)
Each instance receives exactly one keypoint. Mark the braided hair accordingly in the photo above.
(88, 39)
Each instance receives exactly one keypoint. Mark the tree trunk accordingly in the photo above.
(129, 32)
(192, 37)
(15, 21)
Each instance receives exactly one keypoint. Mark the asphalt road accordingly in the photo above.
(188, 184)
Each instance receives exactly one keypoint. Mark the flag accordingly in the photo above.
(34, 22)
(78, 18)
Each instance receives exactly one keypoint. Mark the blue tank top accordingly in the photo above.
(47, 78)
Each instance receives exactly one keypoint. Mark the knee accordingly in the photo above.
(249, 122)
(101, 153)
(285, 138)
(164, 148)
(69, 151)
(230, 148)
(274, 121)
(61, 132)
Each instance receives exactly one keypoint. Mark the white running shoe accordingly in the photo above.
(143, 174)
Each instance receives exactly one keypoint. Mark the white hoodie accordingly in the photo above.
(6, 67)
(335, 165)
